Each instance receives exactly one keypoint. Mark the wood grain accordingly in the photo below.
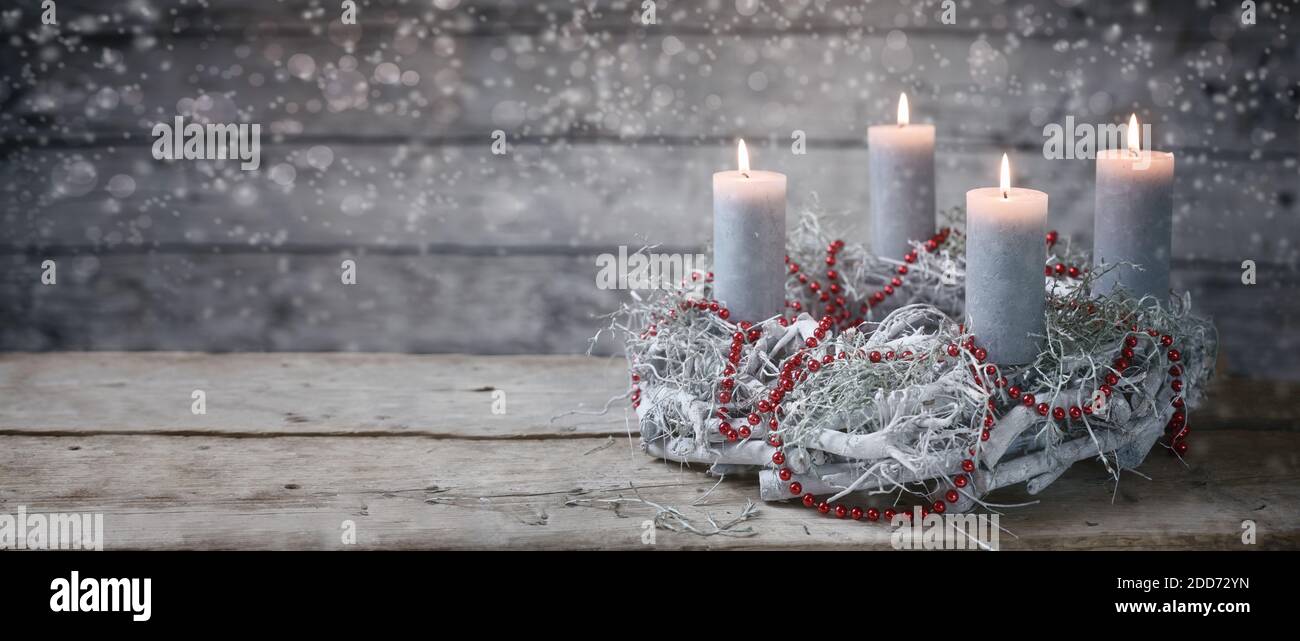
(160, 492)
(442, 396)
(322, 394)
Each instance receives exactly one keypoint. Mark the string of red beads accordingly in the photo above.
(799, 366)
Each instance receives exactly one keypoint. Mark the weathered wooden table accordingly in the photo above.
(410, 451)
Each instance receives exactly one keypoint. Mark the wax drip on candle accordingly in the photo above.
(903, 118)
(1006, 178)
(1133, 136)
(742, 158)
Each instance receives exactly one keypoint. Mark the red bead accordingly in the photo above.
(890, 513)
(981, 354)
(902, 270)
(952, 496)
(1058, 413)
(724, 397)
(1059, 269)
(744, 431)
(960, 480)
(875, 357)
(1175, 370)
(796, 488)
(808, 500)
(1166, 340)
(1180, 447)
(1051, 237)
(1076, 412)
(984, 435)
(1013, 391)
(953, 350)
(1105, 389)
(1177, 385)
(1174, 355)
(724, 313)
(856, 513)
(1042, 409)
(811, 342)
(873, 514)
(823, 507)
(841, 511)
(968, 465)
(1112, 379)
(1177, 402)
(785, 474)
(764, 406)
(831, 274)
(778, 458)
(1074, 271)
(814, 365)
(931, 245)
(830, 260)
(1028, 400)
(940, 507)
(732, 435)
(754, 419)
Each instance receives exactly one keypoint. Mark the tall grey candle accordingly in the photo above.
(902, 184)
(749, 241)
(1134, 218)
(1005, 253)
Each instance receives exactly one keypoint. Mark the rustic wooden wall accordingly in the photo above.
(614, 129)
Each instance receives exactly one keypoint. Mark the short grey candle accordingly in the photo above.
(1005, 254)
(902, 184)
(749, 241)
(1134, 219)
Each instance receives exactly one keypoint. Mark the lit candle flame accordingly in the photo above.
(1006, 177)
(902, 110)
(742, 157)
(1133, 134)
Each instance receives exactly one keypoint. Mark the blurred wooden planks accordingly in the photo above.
(561, 194)
(408, 450)
(615, 128)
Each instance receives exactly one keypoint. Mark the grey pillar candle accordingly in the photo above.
(902, 184)
(1134, 218)
(1005, 254)
(749, 241)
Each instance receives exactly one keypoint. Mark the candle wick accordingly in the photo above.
(745, 174)
(1005, 195)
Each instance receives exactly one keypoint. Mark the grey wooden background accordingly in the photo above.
(614, 127)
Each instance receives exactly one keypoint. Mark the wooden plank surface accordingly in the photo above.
(313, 394)
(288, 492)
(407, 448)
(396, 395)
